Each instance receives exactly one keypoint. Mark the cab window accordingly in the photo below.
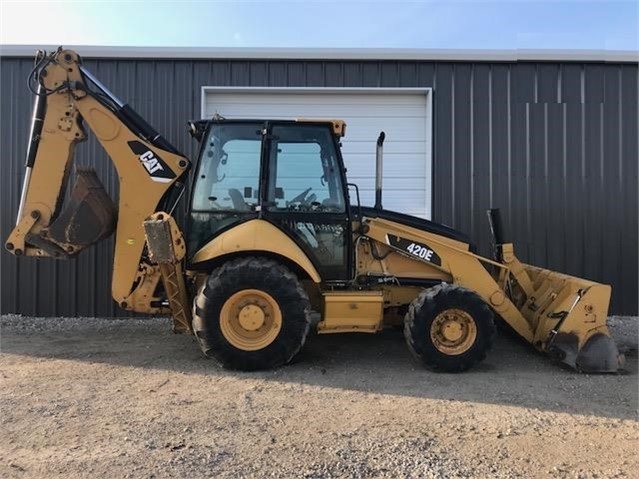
(229, 170)
(303, 170)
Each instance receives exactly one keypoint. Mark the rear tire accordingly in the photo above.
(252, 313)
(449, 328)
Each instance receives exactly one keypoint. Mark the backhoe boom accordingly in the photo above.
(148, 167)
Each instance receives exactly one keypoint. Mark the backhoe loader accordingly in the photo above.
(271, 246)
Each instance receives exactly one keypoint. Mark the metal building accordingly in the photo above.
(549, 137)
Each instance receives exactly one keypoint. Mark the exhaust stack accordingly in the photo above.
(378, 170)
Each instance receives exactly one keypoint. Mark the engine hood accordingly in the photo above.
(418, 223)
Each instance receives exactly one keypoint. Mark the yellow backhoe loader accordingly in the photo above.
(271, 240)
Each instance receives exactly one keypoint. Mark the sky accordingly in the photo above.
(454, 24)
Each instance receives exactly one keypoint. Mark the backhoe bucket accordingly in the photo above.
(569, 316)
(89, 216)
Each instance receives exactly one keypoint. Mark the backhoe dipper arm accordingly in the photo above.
(148, 167)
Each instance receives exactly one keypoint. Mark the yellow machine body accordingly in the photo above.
(393, 262)
(256, 236)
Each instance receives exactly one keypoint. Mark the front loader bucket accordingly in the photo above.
(89, 216)
(569, 317)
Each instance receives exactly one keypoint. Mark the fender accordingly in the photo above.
(256, 235)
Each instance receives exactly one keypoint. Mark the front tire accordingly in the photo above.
(449, 328)
(252, 313)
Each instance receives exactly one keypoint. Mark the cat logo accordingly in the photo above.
(153, 164)
(150, 162)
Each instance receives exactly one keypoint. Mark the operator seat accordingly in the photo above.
(238, 200)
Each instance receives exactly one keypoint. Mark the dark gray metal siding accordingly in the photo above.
(553, 144)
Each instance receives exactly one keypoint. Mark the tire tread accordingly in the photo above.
(425, 308)
(252, 272)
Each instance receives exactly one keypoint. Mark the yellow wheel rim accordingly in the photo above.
(250, 319)
(453, 332)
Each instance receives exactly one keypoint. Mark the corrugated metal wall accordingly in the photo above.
(553, 144)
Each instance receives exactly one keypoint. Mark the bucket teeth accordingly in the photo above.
(599, 354)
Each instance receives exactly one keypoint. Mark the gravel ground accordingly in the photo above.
(126, 398)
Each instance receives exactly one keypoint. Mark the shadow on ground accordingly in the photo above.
(513, 374)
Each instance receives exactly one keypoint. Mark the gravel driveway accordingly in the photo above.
(127, 398)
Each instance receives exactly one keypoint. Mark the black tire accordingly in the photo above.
(449, 299)
(252, 273)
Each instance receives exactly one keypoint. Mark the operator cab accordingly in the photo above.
(289, 173)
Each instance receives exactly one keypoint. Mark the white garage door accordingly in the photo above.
(403, 114)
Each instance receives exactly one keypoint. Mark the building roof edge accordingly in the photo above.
(371, 54)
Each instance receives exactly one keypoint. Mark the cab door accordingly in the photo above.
(306, 196)
(225, 191)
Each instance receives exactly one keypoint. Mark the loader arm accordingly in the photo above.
(561, 315)
(148, 167)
